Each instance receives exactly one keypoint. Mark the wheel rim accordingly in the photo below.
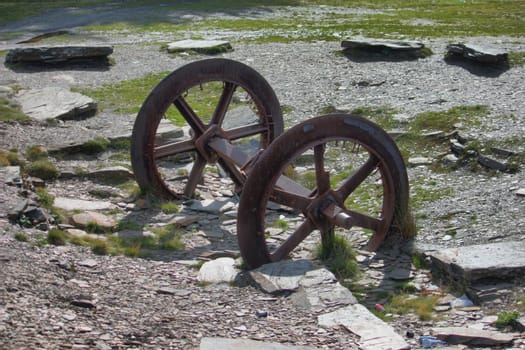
(329, 191)
(216, 98)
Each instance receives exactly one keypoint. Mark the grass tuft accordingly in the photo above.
(339, 256)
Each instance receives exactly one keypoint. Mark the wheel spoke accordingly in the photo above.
(293, 241)
(195, 175)
(189, 114)
(289, 199)
(224, 103)
(173, 148)
(364, 221)
(245, 131)
(358, 177)
(322, 177)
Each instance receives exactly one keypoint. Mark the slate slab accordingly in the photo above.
(477, 54)
(472, 336)
(384, 48)
(374, 333)
(200, 46)
(280, 276)
(243, 344)
(471, 263)
(55, 103)
(59, 54)
(70, 204)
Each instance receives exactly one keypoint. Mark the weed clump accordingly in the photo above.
(35, 153)
(339, 256)
(43, 169)
(57, 237)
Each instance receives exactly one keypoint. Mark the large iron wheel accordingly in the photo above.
(358, 180)
(209, 99)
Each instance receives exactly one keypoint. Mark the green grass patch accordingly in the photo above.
(43, 169)
(35, 152)
(21, 237)
(390, 19)
(11, 111)
(125, 96)
(339, 256)
(507, 319)
(57, 237)
(517, 59)
(403, 303)
(169, 207)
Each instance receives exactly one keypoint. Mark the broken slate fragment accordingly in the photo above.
(102, 221)
(503, 260)
(55, 103)
(209, 47)
(242, 344)
(70, 204)
(375, 48)
(472, 336)
(477, 54)
(59, 55)
(374, 333)
(282, 276)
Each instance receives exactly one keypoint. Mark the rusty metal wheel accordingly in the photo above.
(209, 100)
(333, 172)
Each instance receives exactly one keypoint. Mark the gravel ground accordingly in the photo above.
(41, 283)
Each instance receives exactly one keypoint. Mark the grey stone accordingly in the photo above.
(520, 192)
(59, 54)
(83, 234)
(200, 46)
(183, 221)
(212, 206)
(475, 262)
(416, 161)
(88, 263)
(492, 163)
(114, 174)
(281, 276)
(70, 204)
(477, 54)
(218, 271)
(243, 344)
(374, 333)
(319, 289)
(384, 48)
(482, 293)
(55, 103)
(400, 274)
(472, 336)
(83, 220)
(319, 297)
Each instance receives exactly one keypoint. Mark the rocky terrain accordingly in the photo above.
(67, 297)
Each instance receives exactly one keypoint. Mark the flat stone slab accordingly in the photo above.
(478, 54)
(55, 103)
(70, 204)
(200, 46)
(472, 336)
(384, 48)
(475, 262)
(281, 276)
(383, 44)
(58, 54)
(212, 206)
(243, 344)
(374, 333)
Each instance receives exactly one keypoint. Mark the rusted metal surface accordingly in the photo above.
(320, 204)
(324, 206)
(154, 159)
